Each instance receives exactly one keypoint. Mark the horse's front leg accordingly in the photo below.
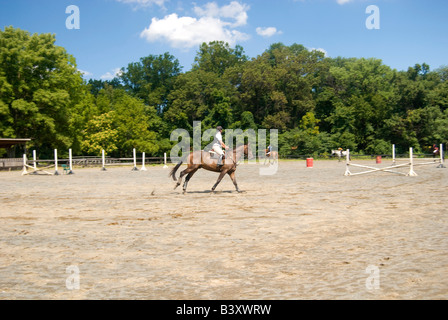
(232, 176)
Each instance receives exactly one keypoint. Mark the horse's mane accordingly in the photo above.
(240, 146)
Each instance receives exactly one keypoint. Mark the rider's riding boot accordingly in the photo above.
(220, 161)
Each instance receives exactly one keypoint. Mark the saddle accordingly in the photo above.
(214, 155)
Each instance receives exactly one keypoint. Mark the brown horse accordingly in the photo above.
(435, 151)
(207, 163)
(272, 156)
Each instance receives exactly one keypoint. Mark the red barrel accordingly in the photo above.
(309, 162)
(378, 159)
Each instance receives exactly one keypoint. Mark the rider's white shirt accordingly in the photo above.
(217, 143)
(218, 138)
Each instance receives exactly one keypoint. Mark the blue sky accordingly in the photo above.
(114, 33)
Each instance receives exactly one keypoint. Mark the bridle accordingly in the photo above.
(236, 163)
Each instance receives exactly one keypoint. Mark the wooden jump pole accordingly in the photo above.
(410, 163)
(34, 166)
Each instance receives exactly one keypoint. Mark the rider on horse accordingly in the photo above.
(268, 151)
(435, 151)
(218, 145)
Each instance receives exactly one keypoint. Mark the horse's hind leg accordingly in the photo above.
(179, 181)
(189, 171)
(187, 178)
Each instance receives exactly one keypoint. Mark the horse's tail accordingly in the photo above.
(174, 170)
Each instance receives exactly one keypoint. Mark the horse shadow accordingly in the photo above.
(212, 192)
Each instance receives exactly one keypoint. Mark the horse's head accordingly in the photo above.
(248, 152)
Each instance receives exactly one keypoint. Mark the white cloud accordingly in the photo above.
(267, 32)
(212, 23)
(85, 73)
(321, 50)
(341, 2)
(109, 76)
(234, 11)
(144, 3)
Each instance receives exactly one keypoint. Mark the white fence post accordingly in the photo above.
(135, 160)
(56, 172)
(347, 163)
(393, 155)
(70, 161)
(34, 160)
(103, 160)
(164, 161)
(143, 163)
(24, 171)
(442, 155)
(411, 163)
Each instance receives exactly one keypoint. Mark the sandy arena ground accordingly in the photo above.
(303, 233)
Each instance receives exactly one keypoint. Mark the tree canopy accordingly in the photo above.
(317, 103)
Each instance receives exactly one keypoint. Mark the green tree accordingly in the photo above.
(96, 85)
(220, 112)
(200, 95)
(129, 118)
(281, 81)
(151, 79)
(100, 134)
(82, 111)
(40, 84)
(358, 97)
(246, 122)
(218, 56)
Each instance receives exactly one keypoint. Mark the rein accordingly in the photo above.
(236, 163)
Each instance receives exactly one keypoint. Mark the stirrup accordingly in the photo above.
(220, 159)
